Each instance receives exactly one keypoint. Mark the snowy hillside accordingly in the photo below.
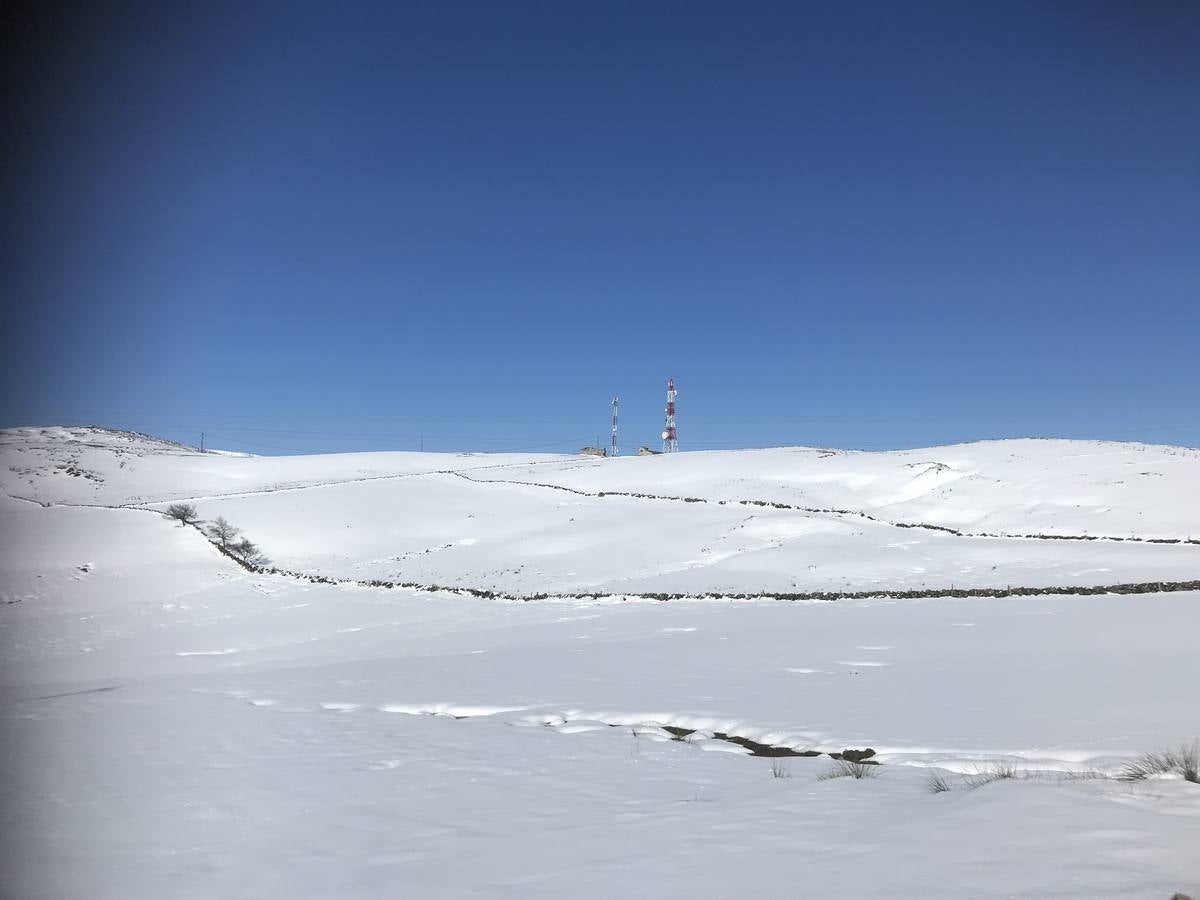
(997, 487)
(179, 726)
(789, 520)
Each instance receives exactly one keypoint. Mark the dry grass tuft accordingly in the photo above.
(845, 769)
(937, 783)
(1184, 762)
(999, 771)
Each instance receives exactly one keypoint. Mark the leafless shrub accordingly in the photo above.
(184, 513)
(248, 551)
(779, 768)
(222, 533)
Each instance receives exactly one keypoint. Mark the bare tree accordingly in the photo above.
(222, 532)
(248, 551)
(185, 513)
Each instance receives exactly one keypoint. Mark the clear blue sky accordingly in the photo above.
(333, 226)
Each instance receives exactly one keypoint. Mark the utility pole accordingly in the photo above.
(202, 442)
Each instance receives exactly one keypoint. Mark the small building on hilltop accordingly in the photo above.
(646, 451)
(593, 451)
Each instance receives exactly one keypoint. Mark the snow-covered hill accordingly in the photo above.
(779, 521)
(1004, 487)
(178, 726)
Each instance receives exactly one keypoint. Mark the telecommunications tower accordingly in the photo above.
(614, 451)
(670, 443)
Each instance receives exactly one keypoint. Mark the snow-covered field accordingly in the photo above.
(177, 726)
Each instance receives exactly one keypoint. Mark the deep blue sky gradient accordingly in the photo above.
(304, 227)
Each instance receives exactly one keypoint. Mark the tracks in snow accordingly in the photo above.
(705, 732)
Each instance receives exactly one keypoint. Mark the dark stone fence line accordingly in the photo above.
(1149, 587)
(833, 511)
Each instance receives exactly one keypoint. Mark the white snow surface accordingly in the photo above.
(177, 726)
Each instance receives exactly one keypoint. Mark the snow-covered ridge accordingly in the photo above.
(784, 522)
(125, 468)
(1004, 486)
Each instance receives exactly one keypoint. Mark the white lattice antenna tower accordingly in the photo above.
(616, 404)
(669, 439)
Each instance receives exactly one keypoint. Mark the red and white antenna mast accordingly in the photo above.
(670, 442)
(614, 451)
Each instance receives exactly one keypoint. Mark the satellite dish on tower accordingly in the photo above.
(664, 435)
